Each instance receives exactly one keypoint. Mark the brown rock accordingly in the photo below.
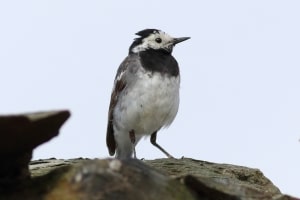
(85, 179)
(108, 179)
(20, 134)
(204, 180)
(219, 181)
(132, 179)
(113, 179)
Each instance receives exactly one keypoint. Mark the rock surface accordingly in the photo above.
(154, 179)
(112, 179)
(19, 135)
(219, 181)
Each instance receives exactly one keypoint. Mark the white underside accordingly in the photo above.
(149, 104)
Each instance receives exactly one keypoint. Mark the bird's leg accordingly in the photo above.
(132, 139)
(153, 141)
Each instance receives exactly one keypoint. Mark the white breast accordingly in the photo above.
(149, 104)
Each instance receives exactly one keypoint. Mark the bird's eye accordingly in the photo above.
(158, 40)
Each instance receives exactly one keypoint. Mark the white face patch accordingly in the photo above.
(156, 40)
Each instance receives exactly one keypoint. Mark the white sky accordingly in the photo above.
(240, 99)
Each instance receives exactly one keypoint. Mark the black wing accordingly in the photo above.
(125, 76)
(119, 86)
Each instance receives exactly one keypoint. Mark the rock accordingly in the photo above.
(20, 134)
(85, 179)
(154, 179)
(218, 181)
(113, 179)
(108, 179)
(42, 167)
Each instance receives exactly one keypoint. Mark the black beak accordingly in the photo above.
(181, 39)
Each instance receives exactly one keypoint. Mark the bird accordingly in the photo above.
(145, 95)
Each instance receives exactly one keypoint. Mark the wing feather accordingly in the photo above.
(126, 76)
(119, 86)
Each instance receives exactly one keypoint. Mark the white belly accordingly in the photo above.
(150, 104)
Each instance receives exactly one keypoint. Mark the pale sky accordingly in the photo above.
(240, 89)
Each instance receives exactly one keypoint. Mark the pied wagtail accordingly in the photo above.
(145, 94)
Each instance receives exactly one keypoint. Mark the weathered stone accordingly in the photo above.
(101, 179)
(221, 181)
(19, 135)
(42, 167)
(118, 179)
(206, 180)
(85, 179)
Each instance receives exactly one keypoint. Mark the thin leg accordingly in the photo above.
(153, 141)
(132, 139)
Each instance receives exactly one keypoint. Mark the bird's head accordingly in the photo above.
(153, 39)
